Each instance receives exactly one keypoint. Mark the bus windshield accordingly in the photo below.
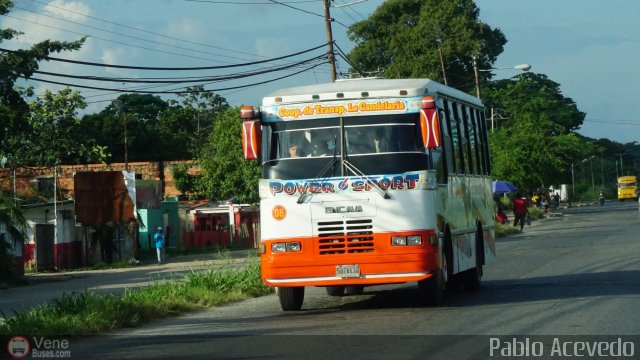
(368, 141)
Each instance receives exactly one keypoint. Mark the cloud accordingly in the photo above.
(72, 10)
(48, 22)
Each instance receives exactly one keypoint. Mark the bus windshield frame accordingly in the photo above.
(380, 144)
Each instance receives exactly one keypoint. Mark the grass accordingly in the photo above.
(92, 313)
(503, 230)
(506, 229)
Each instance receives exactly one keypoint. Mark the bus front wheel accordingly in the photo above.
(354, 290)
(335, 290)
(291, 298)
(431, 290)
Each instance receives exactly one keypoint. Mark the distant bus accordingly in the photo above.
(369, 182)
(627, 188)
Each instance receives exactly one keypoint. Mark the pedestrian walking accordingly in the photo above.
(159, 237)
(519, 211)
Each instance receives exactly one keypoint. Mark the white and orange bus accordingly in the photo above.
(369, 182)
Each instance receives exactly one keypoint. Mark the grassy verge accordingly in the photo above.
(506, 229)
(91, 313)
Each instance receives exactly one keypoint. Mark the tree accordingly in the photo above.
(529, 154)
(536, 145)
(141, 114)
(226, 173)
(54, 131)
(404, 38)
(13, 65)
(189, 121)
(14, 222)
(534, 94)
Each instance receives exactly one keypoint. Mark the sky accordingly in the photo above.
(590, 48)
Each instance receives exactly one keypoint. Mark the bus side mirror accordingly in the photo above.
(429, 123)
(251, 139)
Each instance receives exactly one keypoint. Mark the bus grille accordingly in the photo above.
(345, 237)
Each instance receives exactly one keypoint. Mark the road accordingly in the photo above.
(577, 274)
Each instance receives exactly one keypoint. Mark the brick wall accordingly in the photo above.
(26, 178)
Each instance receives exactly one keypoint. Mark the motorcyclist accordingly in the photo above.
(601, 198)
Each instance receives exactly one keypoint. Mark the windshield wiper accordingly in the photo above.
(326, 168)
(358, 172)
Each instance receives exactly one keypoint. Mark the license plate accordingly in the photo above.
(348, 271)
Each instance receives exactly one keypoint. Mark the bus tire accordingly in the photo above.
(472, 278)
(431, 290)
(335, 290)
(291, 298)
(354, 290)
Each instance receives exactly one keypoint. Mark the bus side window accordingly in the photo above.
(477, 141)
(457, 134)
(485, 140)
(468, 139)
(448, 140)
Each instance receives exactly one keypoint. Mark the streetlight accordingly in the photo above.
(523, 67)
(573, 179)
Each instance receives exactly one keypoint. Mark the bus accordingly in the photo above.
(627, 188)
(370, 182)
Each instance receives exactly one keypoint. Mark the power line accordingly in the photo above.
(348, 6)
(249, 2)
(295, 8)
(177, 92)
(169, 68)
(107, 40)
(183, 80)
(622, 122)
(125, 35)
(146, 31)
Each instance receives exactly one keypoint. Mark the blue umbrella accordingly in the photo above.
(501, 187)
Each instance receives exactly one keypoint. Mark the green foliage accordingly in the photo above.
(503, 230)
(529, 155)
(226, 173)
(91, 313)
(183, 181)
(16, 132)
(405, 38)
(157, 130)
(54, 124)
(14, 223)
(536, 95)
(536, 145)
(535, 213)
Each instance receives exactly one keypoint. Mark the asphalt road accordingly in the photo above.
(565, 276)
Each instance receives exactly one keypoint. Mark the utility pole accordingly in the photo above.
(444, 73)
(477, 76)
(332, 58)
(126, 146)
(621, 168)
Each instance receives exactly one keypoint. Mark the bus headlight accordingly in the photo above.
(285, 247)
(411, 240)
(294, 246)
(398, 240)
(278, 247)
(414, 240)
